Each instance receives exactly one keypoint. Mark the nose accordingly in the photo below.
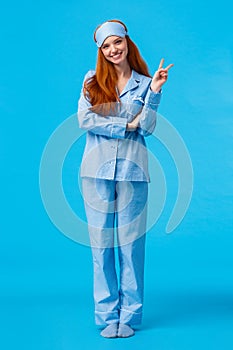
(113, 48)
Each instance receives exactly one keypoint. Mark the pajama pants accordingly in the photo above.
(116, 215)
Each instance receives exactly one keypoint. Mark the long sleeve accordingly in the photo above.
(111, 126)
(112, 152)
(148, 116)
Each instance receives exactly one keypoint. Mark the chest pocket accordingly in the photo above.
(134, 106)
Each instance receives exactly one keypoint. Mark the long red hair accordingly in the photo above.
(100, 89)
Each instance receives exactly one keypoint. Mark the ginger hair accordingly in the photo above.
(100, 89)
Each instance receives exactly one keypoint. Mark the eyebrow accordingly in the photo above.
(119, 38)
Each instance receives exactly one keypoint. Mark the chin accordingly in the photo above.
(119, 60)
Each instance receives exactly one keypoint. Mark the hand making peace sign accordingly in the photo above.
(160, 76)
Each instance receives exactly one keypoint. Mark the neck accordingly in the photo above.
(123, 70)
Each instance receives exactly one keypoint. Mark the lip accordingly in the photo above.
(116, 56)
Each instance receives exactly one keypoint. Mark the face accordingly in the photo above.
(115, 49)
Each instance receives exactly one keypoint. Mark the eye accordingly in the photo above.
(105, 46)
(119, 41)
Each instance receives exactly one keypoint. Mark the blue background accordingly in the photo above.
(46, 278)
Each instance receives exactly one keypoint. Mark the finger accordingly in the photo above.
(162, 70)
(169, 66)
(162, 73)
(161, 63)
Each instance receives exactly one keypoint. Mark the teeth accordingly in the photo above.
(116, 55)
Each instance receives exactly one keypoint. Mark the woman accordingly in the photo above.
(117, 107)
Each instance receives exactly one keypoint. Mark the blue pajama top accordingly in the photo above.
(112, 152)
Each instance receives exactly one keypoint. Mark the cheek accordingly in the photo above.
(105, 53)
(126, 50)
(106, 56)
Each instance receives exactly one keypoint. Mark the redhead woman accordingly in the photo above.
(117, 108)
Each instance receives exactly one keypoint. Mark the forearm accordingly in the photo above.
(145, 122)
(114, 127)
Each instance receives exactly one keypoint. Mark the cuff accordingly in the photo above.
(118, 128)
(153, 98)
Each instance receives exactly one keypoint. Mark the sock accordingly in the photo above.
(125, 331)
(110, 331)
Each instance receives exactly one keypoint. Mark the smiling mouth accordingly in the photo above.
(117, 55)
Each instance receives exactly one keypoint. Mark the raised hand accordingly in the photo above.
(160, 76)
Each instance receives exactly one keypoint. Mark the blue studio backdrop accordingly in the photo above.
(45, 276)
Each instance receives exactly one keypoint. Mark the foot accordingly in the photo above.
(125, 331)
(110, 331)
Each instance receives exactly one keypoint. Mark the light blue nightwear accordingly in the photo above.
(115, 180)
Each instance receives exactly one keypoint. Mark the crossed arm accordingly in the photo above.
(159, 78)
(115, 127)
